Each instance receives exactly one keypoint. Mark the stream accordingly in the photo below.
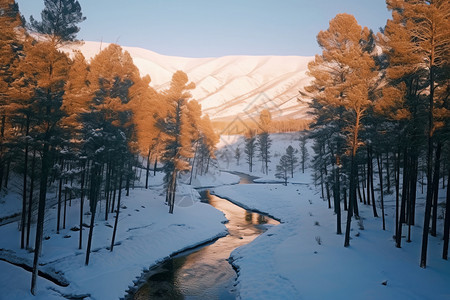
(204, 272)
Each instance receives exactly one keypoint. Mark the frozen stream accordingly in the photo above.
(204, 272)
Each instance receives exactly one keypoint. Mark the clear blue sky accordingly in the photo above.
(210, 28)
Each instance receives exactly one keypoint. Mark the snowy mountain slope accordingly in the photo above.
(228, 86)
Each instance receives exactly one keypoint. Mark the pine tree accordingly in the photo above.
(176, 129)
(303, 151)
(343, 78)
(292, 159)
(263, 144)
(237, 155)
(49, 68)
(250, 148)
(59, 20)
(283, 168)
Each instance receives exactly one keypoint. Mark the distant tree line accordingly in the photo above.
(381, 110)
(82, 127)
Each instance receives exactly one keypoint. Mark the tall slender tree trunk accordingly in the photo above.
(321, 183)
(65, 207)
(147, 169)
(351, 201)
(402, 218)
(397, 192)
(93, 199)
(30, 199)
(24, 190)
(130, 171)
(437, 166)
(327, 187)
(83, 175)
(380, 172)
(115, 189)
(172, 191)
(447, 220)
(2, 160)
(369, 174)
(337, 202)
(117, 213)
(8, 168)
(58, 217)
(41, 212)
(388, 173)
(413, 187)
(426, 219)
(193, 163)
(359, 192)
(345, 199)
(155, 166)
(370, 165)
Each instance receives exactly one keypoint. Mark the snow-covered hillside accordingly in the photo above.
(228, 86)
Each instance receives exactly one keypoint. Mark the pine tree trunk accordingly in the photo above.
(107, 187)
(30, 199)
(388, 174)
(2, 162)
(91, 231)
(41, 213)
(128, 178)
(83, 175)
(117, 213)
(93, 199)
(337, 202)
(370, 165)
(193, 163)
(8, 168)
(380, 172)
(413, 188)
(437, 166)
(327, 187)
(351, 202)
(114, 192)
(58, 218)
(147, 170)
(355, 204)
(397, 192)
(24, 189)
(429, 199)
(402, 218)
(359, 192)
(369, 174)
(447, 220)
(345, 199)
(155, 166)
(65, 208)
(172, 188)
(321, 184)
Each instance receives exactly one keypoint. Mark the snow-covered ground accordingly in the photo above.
(147, 233)
(303, 258)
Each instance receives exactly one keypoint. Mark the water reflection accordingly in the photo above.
(205, 273)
